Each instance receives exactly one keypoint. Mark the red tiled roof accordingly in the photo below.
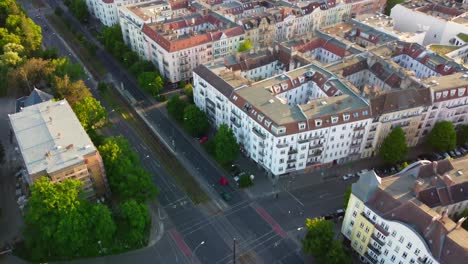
(429, 197)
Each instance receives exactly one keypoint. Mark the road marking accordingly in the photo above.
(295, 198)
(323, 195)
(180, 242)
(267, 217)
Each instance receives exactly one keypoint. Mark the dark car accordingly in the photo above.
(226, 196)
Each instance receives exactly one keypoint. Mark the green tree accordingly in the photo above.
(90, 112)
(443, 136)
(245, 46)
(134, 222)
(151, 82)
(245, 181)
(195, 120)
(319, 238)
(63, 66)
(347, 194)
(394, 146)
(28, 32)
(188, 91)
(12, 54)
(460, 215)
(337, 255)
(130, 58)
(462, 135)
(126, 177)
(175, 107)
(79, 10)
(57, 216)
(390, 4)
(141, 66)
(226, 147)
(73, 91)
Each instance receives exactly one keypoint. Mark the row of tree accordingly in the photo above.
(223, 146)
(147, 75)
(443, 137)
(78, 8)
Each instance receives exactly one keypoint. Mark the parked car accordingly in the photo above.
(457, 152)
(445, 155)
(463, 150)
(346, 177)
(226, 196)
(203, 140)
(452, 154)
(340, 212)
(235, 169)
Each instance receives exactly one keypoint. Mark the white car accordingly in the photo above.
(345, 177)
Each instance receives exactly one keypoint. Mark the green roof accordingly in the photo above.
(463, 36)
(443, 49)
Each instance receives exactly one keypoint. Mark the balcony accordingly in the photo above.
(302, 141)
(376, 250)
(402, 125)
(422, 260)
(359, 128)
(381, 229)
(369, 258)
(261, 144)
(319, 145)
(358, 136)
(258, 133)
(210, 103)
(235, 122)
(368, 218)
(380, 242)
(316, 153)
(281, 145)
(291, 160)
(355, 145)
(292, 151)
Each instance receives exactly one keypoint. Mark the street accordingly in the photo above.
(266, 229)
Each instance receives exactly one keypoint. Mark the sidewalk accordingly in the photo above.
(265, 185)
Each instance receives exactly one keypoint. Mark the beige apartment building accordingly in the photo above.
(53, 144)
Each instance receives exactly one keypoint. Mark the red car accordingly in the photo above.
(203, 140)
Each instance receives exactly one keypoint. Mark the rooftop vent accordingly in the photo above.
(69, 147)
(459, 173)
(271, 101)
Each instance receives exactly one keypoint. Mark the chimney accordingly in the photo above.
(69, 147)
(447, 180)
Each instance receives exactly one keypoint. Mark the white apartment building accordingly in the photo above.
(299, 119)
(441, 22)
(404, 218)
(106, 10)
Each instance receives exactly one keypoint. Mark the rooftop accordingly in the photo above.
(50, 137)
(455, 80)
(148, 10)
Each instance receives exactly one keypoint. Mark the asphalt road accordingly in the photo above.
(265, 230)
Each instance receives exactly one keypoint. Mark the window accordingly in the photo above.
(393, 258)
(412, 261)
(404, 255)
(401, 239)
(346, 117)
(361, 225)
(394, 234)
(417, 251)
(318, 122)
(389, 243)
(360, 248)
(397, 249)
(355, 243)
(351, 223)
(358, 234)
(409, 245)
(367, 229)
(354, 214)
(385, 252)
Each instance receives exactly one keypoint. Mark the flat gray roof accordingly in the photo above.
(50, 137)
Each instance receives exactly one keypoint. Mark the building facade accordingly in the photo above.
(404, 218)
(53, 144)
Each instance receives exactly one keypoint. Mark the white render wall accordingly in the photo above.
(108, 13)
(438, 31)
(421, 70)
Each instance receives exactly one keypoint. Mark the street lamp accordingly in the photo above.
(195, 250)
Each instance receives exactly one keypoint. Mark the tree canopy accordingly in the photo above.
(79, 9)
(390, 4)
(175, 108)
(319, 238)
(91, 113)
(134, 219)
(73, 91)
(346, 197)
(151, 82)
(188, 91)
(443, 136)
(28, 75)
(226, 147)
(394, 146)
(126, 177)
(462, 214)
(462, 135)
(245, 45)
(195, 120)
(57, 216)
(63, 66)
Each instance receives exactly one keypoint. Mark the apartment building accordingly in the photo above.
(441, 20)
(53, 144)
(404, 218)
(298, 119)
(106, 10)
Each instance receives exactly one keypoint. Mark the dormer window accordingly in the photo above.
(346, 117)
(461, 91)
(453, 92)
(302, 126)
(334, 119)
(234, 98)
(318, 122)
(260, 117)
(284, 86)
(438, 95)
(444, 94)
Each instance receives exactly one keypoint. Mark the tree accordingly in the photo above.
(28, 32)
(245, 46)
(57, 216)
(347, 194)
(129, 58)
(462, 135)
(29, 74)
(63, 66)
(11, 54)
(195, 120)
(245, 181)
(188, 91)
(73, 91)
(151, 82)
(90, 112)
(226, 147)
(391, 4)
(141, 66)
(126, 177)
(394, 146)
(135, 220)
(443, 136)
(79, 10)
(175, 107)
(319, 238)
(337, 255)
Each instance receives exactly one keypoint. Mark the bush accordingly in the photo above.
(245, 181)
